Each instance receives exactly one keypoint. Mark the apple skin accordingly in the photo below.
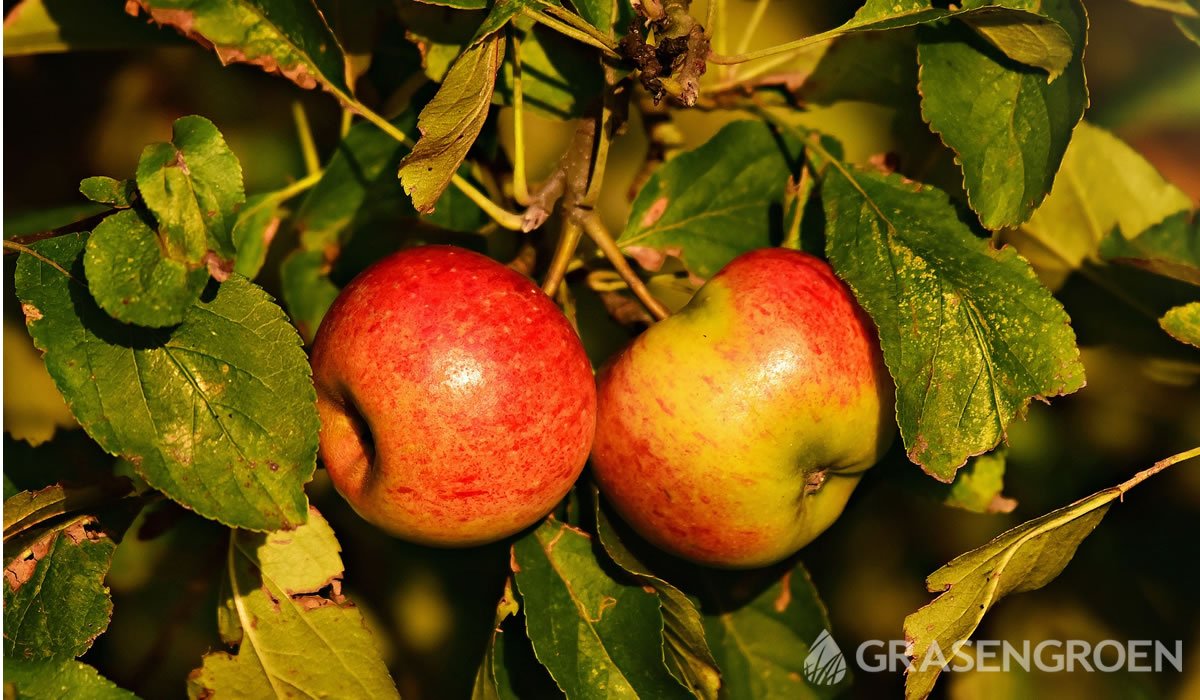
(457, 403)
(732, 433)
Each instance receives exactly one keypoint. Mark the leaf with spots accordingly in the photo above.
(296, 633)
(1022, 559)
(761, 627)
(599, 637)
(55, 600)
(218, 412)
(1183, 323)
(451, 122)
(1008, 126)
(711, 204)
(968, 332)
(289, 37)
(193, 186)
(133, 279)
(687, 653)
(148, 268)
(106, 190)
(52, 679)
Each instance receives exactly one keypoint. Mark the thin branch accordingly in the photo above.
(571, 175)
(604, 240)
(520, 181)
(26, 250)
(1158, 467)
(723, 60)
(568, 241)
(760, 9)
(591, 38)
(308, 147)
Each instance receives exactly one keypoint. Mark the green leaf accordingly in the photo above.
(358, 184)
(977, 487)
(1170, 249)
(1035, 41)
(1181, 322)
(880, 68)
(688, 657)
(451, 122)
(710, 204)
(298, 634)
(53, 679)
(1007, 125)
(499, 15)
(968, 332)
(560, 77)
(1103, 183)
(1187, 15)
(1024, 558)
(486, 684)
(193, 186)
(288, 37)
(253, 230)
(767, 646)
(55, 601)
(355, 23)
(131, 279)
(27, 509)
(1190, 26)
(307, 289)
(106, 190)
(218, 412)
(599, 637)
(1020, 30)
(53, 26)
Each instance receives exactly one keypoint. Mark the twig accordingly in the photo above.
(571, 174)
(520, 181)
(308, 147)
(568, 241)
(807, 41)
(604, 240)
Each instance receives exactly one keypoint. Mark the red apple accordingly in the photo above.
(457, 404)
(733, 432)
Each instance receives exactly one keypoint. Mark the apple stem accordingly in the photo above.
(520, 181)
(604, 240)
(568, 241)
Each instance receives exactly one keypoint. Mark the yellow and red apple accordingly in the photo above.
(732, 433)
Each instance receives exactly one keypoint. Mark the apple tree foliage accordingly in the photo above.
(172, 358)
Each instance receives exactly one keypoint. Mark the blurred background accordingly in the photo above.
(78, 114)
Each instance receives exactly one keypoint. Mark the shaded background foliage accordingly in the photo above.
(79, 114)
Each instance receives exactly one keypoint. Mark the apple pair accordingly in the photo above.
(458, 406)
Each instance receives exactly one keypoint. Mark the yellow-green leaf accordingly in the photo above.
(451, 122)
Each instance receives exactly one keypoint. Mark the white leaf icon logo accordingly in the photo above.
(824, 664)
